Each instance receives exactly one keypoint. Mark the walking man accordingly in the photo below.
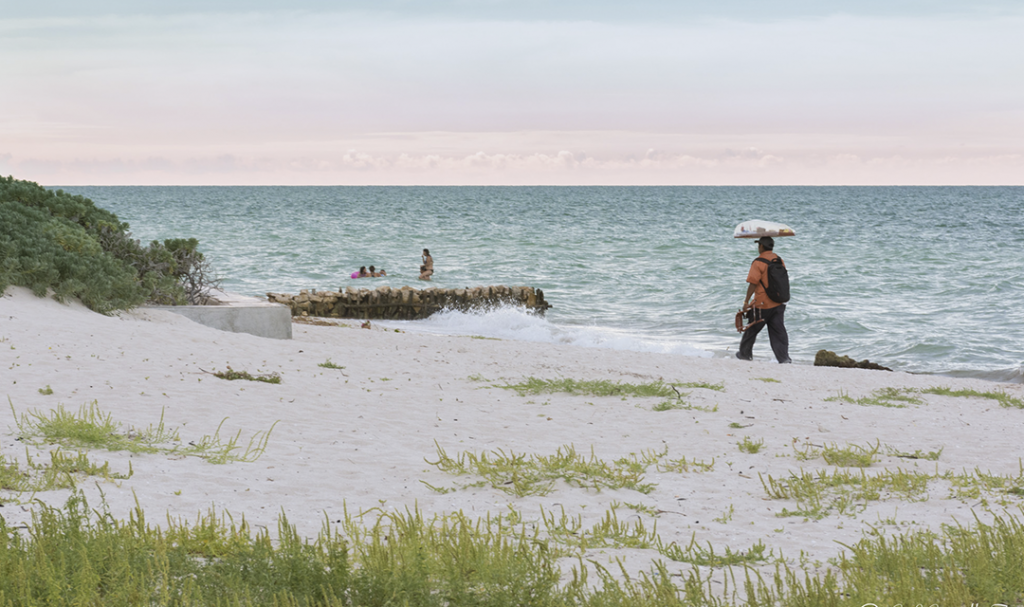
(763, 310)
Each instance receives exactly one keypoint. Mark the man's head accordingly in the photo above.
(766, 242)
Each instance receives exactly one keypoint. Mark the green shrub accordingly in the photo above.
(51, 240)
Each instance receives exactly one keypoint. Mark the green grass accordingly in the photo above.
(901, 397)
(854, 456)
(327, 364)
(885, 397)
(668, 405)
(63, 471)
(639, 508)
(569, 535)
(231, 375)
(819, 494)
(768, 380)
(76, 555)
(521, 475)
(916, 454)
(695, 554)
(657, 389)
(91, 428)
(46, 391)
(750, 446)
(1004, 399)
(984, 485)
(533, 385)
(216, 450)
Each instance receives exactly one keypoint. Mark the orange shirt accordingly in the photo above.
(757, 277)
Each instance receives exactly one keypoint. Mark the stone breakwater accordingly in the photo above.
(407, 303)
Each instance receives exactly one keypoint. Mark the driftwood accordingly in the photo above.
(406, 303)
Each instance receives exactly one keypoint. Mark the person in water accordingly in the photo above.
(362, 273)
(427, 269)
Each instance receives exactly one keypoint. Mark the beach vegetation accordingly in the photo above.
(88, 428)
(568, 535)
(231, 375)
(521, 475)
(91, 428)
(533, 385)
(895, 398)
(747, 445)
(977, 485)
(817, 494)
(726, 516)
(216, 450)
(62, 471)
(667, 405)
(675, 399)
(52, 241)
(637, 507)
(1004, 399)
(916, 454)
(854, 456)
(75, 555)
(46, 391)
(682, 464)
(900, 397)
(604, 387)
(327, 364)
(695, 554)
(768, 380)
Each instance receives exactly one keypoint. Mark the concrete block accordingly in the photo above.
(240, 315)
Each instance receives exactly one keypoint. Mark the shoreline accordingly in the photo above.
(1007, 375)
(363, 436)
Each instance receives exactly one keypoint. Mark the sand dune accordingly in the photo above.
(360, 436)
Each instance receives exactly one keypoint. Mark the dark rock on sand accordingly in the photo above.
(825, 358)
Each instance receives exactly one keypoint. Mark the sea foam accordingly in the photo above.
(516, 324)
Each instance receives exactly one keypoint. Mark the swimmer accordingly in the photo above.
(427, 269)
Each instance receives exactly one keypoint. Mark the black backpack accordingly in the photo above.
(777, 288)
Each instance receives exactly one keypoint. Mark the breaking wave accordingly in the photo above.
(518, 325)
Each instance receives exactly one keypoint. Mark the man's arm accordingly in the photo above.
(750, 293)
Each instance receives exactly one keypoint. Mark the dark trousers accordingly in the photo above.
(773, 319)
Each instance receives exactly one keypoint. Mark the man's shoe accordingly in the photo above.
(741, 358)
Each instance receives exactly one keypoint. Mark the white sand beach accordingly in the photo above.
(359, 437)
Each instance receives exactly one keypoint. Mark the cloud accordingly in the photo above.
(749, 166)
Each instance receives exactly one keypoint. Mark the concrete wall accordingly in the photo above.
(256, 318)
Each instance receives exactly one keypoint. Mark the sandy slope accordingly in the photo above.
(360, 436)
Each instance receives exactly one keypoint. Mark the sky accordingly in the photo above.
(512, 92)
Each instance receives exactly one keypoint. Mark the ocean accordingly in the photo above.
(919, 279)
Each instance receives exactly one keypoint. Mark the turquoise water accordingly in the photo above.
(927, 279)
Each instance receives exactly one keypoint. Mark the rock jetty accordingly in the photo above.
(407, 303)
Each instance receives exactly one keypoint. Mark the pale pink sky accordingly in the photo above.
(393, 96)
